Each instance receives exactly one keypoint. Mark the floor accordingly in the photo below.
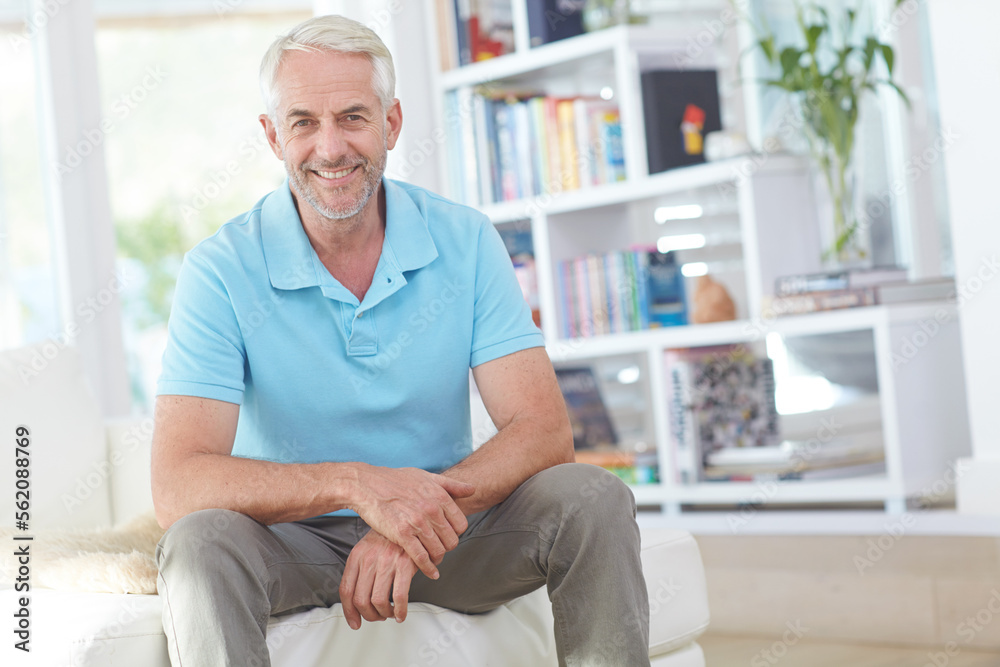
(730, 651)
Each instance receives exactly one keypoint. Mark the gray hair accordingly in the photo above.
(329, 33)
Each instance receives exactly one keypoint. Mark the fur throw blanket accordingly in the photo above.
(116, 560)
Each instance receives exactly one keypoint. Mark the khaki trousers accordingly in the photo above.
(570, 528)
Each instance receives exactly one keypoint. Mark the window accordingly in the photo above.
(185, 153)
(28, 286)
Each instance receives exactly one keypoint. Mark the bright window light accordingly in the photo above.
(694, 269)
(680, 242)
(629, 375)
(607, 93)
(666, 213)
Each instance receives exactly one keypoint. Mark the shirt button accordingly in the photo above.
(360, 313)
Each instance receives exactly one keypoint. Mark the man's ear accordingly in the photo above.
(271, 132)
(394, 123)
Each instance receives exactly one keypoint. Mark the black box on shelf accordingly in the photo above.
(680, 107)
(552, 20)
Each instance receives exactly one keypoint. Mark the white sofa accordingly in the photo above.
(89, 473)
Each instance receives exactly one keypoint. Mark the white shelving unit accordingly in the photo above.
(761, 211)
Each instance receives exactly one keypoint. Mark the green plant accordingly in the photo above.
(828, 72)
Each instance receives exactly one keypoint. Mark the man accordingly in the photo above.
(312, 440)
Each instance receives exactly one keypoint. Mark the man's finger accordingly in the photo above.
(382, 593)
(362, 597)
(401, 591)
(455, 488)
(347, 585)
(416, 551)
(456, 518)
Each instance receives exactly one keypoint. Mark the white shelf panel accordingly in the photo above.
(638, 341)
(666, 182)
(564, 51)
(744, 331)
(823, 522)
(858, 489)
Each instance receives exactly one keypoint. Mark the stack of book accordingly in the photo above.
(719, 398)
(620, 292)
(800, 294)
(594, 436)
(474, 30)
(507, 147)
(847, 456)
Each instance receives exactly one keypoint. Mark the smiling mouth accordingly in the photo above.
(333, 175)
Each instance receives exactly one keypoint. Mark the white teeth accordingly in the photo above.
(335, 174)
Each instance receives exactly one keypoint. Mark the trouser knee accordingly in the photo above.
(580, 488)
(205, 537)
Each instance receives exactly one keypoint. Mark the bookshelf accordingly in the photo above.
(747, 203)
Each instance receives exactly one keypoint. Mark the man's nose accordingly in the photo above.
(331, 143)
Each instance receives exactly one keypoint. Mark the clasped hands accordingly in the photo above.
(414, 521)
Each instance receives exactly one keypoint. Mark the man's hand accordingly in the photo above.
(376, 572)
(416, 510)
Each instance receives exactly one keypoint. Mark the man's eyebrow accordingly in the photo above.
(300, 113)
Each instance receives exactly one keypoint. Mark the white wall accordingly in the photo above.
(967, 60)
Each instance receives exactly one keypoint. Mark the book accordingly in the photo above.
(918, 290)
(668, 97)
(588, 414)
(552, 20)
(888, 293)
(620, 292)
(667, 295)
(718, 398)
(792, 458)
(800, 304)
(837, 280)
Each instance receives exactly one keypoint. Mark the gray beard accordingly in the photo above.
(372, 173)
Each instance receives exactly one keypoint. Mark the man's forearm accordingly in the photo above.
(521, 449)
(266, 491)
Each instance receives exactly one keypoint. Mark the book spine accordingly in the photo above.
(816, 282)
(484, 147)
(525, 152)
(583, 297)
(800, 304)
(584, 149)
(614, 148)
(505, 150)
(683, 435)
(641, 259)
(569, 174)
(539, 144)
(470, 165)
(598, 297)
(554, 152)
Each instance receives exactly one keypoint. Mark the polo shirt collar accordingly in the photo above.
(292, 262)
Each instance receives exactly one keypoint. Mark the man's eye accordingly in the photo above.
(301, 123)
(355, 117)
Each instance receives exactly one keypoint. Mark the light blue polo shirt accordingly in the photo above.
(257, 320)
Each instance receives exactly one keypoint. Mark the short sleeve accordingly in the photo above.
(204, 356)
(502, 322)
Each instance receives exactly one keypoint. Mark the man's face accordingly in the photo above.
(331, 131)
